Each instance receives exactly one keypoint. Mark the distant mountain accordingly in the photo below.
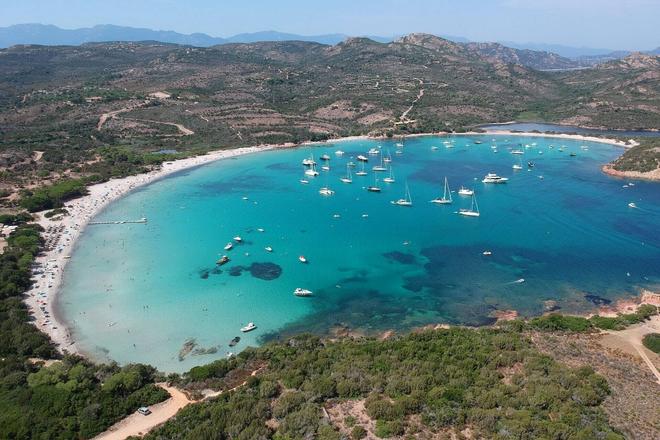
(50, 35)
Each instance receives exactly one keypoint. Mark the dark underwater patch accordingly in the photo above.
(596, 299)
(400, 257)
(265, 271)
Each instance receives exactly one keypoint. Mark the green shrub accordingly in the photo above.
(652, 342)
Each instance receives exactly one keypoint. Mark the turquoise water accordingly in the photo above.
(136, 293)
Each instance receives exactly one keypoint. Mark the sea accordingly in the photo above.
(559, 235)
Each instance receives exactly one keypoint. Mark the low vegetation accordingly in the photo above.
(652, 342)
(564, 323)
(490, 381)
(643, 158)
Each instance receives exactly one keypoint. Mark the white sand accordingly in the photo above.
(63, 233)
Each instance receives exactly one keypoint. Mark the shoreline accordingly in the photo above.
(62, 233)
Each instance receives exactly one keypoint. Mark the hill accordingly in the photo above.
(76, 105)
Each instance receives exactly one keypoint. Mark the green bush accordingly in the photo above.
(652, 342)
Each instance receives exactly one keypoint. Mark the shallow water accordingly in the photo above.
(137, 293)
(542, 127)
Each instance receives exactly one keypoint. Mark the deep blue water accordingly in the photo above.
(138, 292)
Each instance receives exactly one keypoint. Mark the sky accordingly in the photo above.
(612, 24)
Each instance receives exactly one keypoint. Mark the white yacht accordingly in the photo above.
(362, 172)
(309, 161)
(518, 166)
(238, 239)
(494, 178)
(632, 205)
(339, 153)
(248, 328)
(406, 201)
(388, 159)
(302, 292)
(311, 171)
(517, 152)
(325, 157)
(325, 167)
(446, 195)
(228, 246)
(363, 158)
(268, 249)
(465, 191)
(399, 145)
(302, 259)
(373, 151)
(473, 211)
(325, 191)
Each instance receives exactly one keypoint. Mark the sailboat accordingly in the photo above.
(473, 211)
(406, 201)
(518, 166)
(311, 171)
(446, 195)
(390, 178)
(374, 187)
(388, 159)
(380, 167)
(362, 172)
(304, 179)
(348, 178)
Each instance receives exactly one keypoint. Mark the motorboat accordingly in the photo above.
(494, 178)
(228, 246)
(302, 292)
(248, 328)
(223, 260)
(302, 259)
(325, 191)
(465, 191)
(362, 158)
(268, 249)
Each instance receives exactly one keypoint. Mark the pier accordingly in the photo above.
(120, 222)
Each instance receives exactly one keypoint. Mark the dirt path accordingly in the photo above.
(105, 116)
(630, 341)
(404, 115)
(138, 425)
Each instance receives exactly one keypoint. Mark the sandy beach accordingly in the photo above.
(62, 232)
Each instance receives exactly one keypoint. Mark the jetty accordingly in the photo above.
(120, 222)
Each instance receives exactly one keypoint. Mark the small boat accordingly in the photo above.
(390, 178)
(494, 178)
(473, 211)
(308, 162)
(339, 153)
(373, 151)
(228, 246)
(238, 239)
(573, 154)
(223, 260)
(530, 164)
(381, 167)
(434, 148)
(446, 195)
(311, 171)
(388, 159)
(347, 178)
(325, 191)
(362, 158)
(325, 157)
(374, 187)
(234, 341)
(302, 259)
(518, 166)
(487, 253)
(260, 229)
(399, 145)
(351, 164)
(632, 205)
(517, 152)
(519, 281)
(304, 181)
(478, 142)
(465, 191)
(268, 249)
(362, 172)
(302, 292)
(631, 184)
(325, 168)
(406, 201)
(249, 327)
(398, 152)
